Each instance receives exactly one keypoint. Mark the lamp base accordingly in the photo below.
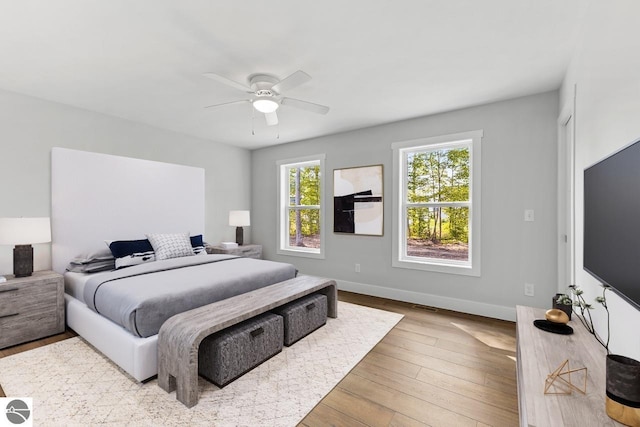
(239, 236)
(22, 260)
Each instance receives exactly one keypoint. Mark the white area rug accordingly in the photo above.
(73, 384)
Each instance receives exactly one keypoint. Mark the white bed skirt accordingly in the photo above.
(137, 356)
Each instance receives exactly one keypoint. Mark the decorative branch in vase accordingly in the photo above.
(584, 313)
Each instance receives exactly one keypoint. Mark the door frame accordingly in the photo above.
(566, 196)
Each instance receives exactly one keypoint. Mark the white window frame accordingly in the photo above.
(400, 259)
(283, 247)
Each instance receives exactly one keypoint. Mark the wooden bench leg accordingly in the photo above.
(331, 292)
(166, 381)
(187, 387)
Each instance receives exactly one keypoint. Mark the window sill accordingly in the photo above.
(464, 270)
(301, 253)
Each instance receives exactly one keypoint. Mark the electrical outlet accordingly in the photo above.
(529, 289)
(528, 215)
(357, 268)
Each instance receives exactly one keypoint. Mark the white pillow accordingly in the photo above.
(168, 246)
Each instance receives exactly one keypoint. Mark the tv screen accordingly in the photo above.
(612, 222)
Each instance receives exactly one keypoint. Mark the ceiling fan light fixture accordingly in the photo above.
(265, 105)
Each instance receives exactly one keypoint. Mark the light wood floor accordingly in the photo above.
(435, 368)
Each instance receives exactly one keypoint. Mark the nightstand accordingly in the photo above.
(247, 251)
(31, 307)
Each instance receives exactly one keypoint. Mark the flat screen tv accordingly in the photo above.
(612, 222)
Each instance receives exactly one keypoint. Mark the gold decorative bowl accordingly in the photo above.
(556, 316)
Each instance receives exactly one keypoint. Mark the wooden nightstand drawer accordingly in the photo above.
(247, 251)
(26, 297)
(27, 326)
(31, 307)
(253, 251)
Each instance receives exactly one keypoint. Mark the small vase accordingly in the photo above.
(623, 389)
(567, 308)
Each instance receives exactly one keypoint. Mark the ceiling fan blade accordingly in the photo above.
(271, 118)
(241, 101)
(289, 82)
(305, 105)
(228, 82)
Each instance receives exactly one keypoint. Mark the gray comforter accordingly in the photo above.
(141, 298)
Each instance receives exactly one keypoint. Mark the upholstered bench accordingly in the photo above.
(226, 355)
(180, 337)
(303, 316)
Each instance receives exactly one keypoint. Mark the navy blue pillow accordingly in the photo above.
(123, 248)
(197, 240)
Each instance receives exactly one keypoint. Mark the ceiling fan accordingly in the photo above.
(267, 92)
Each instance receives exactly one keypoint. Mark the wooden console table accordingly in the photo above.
(539, 354)
(180, 337)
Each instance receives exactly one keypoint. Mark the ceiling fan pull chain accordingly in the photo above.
(278, 135)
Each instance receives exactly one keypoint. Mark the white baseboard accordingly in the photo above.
(455, 304)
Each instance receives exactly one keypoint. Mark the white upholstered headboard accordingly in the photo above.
(97, 197)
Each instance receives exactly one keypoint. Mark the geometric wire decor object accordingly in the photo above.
(560, 379)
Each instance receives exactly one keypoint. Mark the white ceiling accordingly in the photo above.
(372, 61)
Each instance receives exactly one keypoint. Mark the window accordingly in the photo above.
(437, 204)
(300, 184)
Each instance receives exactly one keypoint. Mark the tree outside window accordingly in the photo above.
(437, 199)
(304, 206)
(301, 211)
(436, 209)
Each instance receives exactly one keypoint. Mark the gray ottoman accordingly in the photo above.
(226, 355)
(303, 316)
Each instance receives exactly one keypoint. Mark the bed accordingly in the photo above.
(124, 198)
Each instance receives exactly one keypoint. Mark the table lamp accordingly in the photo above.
(239, 219)
(23, 232)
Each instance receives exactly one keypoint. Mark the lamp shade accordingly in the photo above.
(24, 231)
(239, 218)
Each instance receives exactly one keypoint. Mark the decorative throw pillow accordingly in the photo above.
(135, 259)
(101, 260)
(131, 252)
(92, 267)
(198, 245)
(168, 246)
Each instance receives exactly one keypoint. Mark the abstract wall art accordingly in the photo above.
(357, 200)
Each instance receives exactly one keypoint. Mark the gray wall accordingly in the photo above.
(30, 127)
(519, 164)
(604, 75)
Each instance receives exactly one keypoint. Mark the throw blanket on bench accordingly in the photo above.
(141, 298)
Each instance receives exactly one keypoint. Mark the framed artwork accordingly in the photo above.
(357, 200)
